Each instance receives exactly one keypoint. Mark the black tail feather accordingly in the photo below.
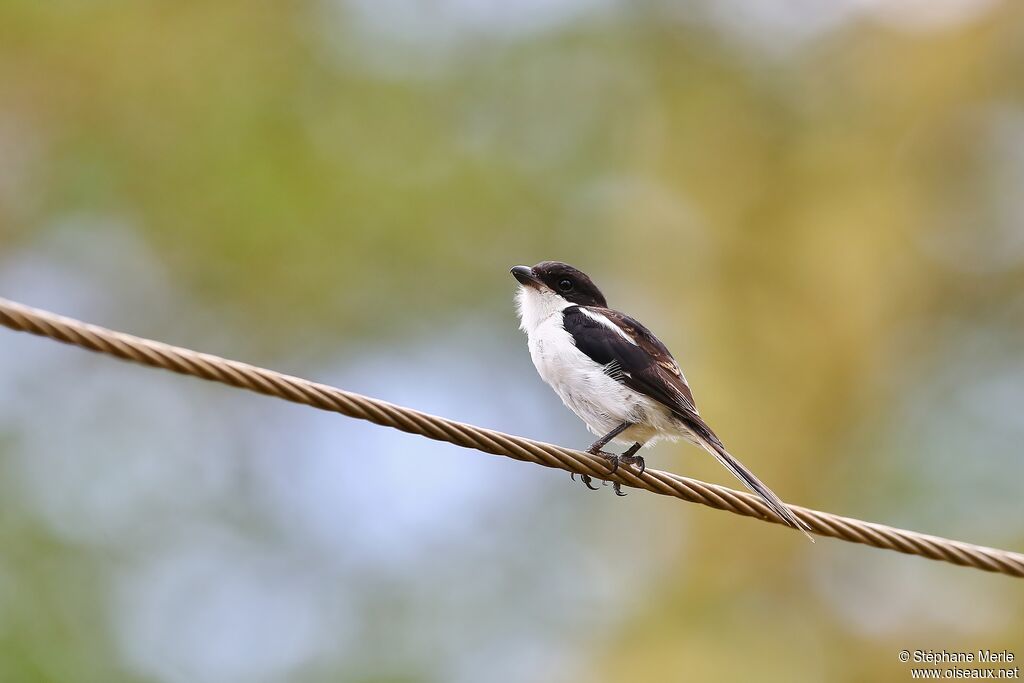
(713, 445)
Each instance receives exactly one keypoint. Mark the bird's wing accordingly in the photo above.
(639, 360)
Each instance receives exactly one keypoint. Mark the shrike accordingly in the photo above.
(614, 373)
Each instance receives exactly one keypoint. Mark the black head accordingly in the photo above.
(562, 279)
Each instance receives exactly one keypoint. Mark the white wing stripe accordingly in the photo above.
(603, 320)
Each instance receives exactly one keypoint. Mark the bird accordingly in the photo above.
(615, 375)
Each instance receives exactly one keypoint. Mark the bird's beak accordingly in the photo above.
(525, 276)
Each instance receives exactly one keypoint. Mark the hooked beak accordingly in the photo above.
(525, 276)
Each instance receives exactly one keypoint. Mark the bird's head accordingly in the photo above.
(555, 285)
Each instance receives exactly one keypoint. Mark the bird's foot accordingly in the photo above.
(637, 460)
(614, 462)
(612, 458)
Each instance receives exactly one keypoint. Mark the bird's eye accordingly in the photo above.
(565, 285)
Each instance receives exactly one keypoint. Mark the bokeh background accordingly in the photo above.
(818, 205)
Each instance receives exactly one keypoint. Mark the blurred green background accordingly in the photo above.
(817, 205)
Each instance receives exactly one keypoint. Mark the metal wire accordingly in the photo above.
(233, 373)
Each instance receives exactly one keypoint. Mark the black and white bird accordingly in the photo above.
(615, 374)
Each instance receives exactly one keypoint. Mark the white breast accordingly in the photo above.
(584, 387)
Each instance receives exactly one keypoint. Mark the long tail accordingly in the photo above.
(711, 443)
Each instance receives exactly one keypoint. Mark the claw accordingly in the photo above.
(587, 481)
(643, 465)
(618, 489)
(615, 462)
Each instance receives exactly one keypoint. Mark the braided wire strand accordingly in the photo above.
(261, 380)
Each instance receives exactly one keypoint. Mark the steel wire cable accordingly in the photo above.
(261, 380)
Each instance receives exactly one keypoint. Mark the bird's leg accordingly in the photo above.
(630, 458)
(595, 448)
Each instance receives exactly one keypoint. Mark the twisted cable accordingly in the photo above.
(244, 376)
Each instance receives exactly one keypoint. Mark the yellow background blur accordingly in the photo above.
(819, 206)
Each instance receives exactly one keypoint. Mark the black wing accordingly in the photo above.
(634, 356)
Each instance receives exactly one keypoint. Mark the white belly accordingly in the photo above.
(599, 400)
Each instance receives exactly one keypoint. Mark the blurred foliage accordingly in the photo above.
(827, 230)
